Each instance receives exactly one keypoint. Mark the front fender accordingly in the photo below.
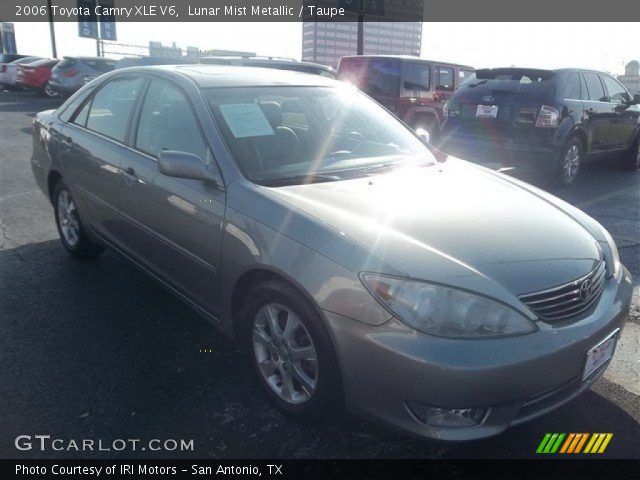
(251, 245)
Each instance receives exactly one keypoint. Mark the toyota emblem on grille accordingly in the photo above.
(585, 289)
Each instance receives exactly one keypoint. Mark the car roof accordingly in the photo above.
(207, 76)
(266, 61)
(541, 70)
(411, 58)
(103, 59)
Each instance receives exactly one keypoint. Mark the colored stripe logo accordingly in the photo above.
(574, 443)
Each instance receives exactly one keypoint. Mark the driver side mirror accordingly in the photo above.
(184, 165)
(636, 99)
(423, 135)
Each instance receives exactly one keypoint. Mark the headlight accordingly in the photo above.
(443, 311)
(612, 257)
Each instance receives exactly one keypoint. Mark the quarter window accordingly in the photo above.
(81, 116)
(594, 87)
(445, 78)
(111, 107)
(167, 122)
(617, 93)
(572, 87)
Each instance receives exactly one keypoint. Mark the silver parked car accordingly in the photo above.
(72, 73)
(354, 264)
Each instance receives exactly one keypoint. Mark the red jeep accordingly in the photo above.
(412, 88)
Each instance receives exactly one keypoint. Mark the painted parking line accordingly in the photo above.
(624, 369)
(608, 196)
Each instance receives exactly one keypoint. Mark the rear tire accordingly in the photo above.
(290, 350)
(631, 159)
(49, 92)
(72, 234)
(569, 163)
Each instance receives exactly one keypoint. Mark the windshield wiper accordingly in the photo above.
(297, 179)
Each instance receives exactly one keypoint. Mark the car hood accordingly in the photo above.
(455, 223)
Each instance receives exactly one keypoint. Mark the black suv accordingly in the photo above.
(555, 119)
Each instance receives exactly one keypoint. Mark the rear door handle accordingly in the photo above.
(67, 141)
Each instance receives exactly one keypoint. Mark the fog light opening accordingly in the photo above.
(447, 417)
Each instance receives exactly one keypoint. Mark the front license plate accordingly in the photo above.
(487, 111)
(600, 354)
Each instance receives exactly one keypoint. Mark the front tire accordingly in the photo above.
(290, 350)
(569, 163)
(72, 234)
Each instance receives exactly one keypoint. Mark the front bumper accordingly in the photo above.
(516, 379)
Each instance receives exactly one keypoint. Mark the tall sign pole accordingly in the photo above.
(52, 30)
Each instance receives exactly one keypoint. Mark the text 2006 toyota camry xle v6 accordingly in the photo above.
(306, 222)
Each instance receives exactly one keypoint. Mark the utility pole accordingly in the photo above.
(52, 30)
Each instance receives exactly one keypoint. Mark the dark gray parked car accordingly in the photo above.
(309, 224)
(72, 73)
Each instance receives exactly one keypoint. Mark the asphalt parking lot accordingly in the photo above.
(98, 350)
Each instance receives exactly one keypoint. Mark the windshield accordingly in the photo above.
(304, 134)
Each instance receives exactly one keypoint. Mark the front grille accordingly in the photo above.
(569, 299)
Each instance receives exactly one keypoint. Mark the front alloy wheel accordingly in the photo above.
(290, 350)
(285, 353)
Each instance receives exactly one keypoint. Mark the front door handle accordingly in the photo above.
(130, 175)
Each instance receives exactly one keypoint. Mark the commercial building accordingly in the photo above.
(7, 38)
(631, 77)
(326, 42)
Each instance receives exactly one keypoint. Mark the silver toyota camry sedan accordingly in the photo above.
(355, 263)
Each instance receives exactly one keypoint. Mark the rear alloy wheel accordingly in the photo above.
(74, 239)
(50, 92)
(569, 163)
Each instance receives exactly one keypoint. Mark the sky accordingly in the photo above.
(601, 46)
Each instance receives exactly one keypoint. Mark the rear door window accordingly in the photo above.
(112, 106)
(416, 78)
(374, 76)
(617, 93)
(595, 91)
(444, 78)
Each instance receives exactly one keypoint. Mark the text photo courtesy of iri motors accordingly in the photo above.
(368, 237)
